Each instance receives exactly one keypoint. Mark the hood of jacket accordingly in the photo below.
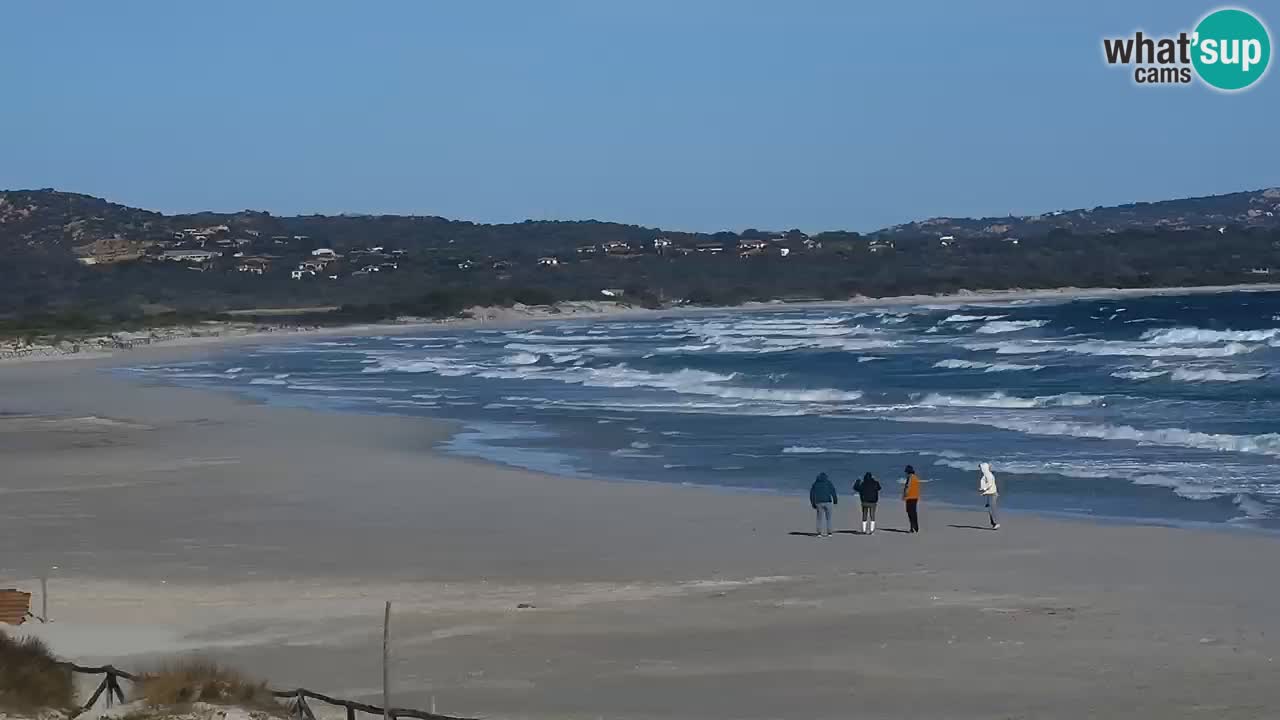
(987, 484)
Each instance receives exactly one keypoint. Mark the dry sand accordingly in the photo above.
(269, 537)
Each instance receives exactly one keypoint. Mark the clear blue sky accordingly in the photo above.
(685, 114)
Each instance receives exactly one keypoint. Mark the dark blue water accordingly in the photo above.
(1155, 409)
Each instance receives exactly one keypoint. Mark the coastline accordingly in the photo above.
(184, 520)
(232, 333)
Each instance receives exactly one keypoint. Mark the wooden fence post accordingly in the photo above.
(386, 652)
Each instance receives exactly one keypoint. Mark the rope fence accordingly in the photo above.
(299, 707)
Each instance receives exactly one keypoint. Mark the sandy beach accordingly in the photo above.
(184, 521)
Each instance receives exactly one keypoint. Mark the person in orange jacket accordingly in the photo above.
(911, 495)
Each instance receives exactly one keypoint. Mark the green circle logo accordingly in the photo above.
(1232, 49)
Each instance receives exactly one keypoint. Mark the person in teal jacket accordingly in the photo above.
(822, 495)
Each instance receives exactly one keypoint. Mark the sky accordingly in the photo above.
(683, 114)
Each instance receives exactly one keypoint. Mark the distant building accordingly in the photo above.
(784, 251)
(466, 265)
(548, 261)
(321, 252)
(588, 250)
(661, 245)
(710, 248)
(189, 255)
(612, 292)
(255, 266)
(616, 247)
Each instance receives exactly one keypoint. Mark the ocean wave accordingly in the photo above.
(956, 364)
(522, 358)
(268, 381)
(1001, 400)
(961, 318)
(996, 327)
(1109, 348)
(1212, 375)
(807, 450)
(1139, 374)
(672, 349)
(1186, 480)
(1190, 375)
(1198, 336)
(541, 349)
(1264, 444)
(539, 337)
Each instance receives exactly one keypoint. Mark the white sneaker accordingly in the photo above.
(873, 527)
(996, 526)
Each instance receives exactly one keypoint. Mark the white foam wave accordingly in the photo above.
(983, 366)
(522, 358)
(1109, 348)
(541, 349)
(267, 381)
(1139, 374)
(1001, 400)
(962, 318)
(1212, 375)
(1198, 336)
(996, 327)
(1265, 444)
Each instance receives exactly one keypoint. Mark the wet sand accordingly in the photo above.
(269, 537)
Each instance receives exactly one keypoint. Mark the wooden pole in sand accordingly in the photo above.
(386, 651)
(44, 598)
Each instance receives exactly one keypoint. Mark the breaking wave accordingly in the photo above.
(1007, 326)
(1211, 375)
(1110, 348)
(1197, 336)
(955, 364)
(1001, 400)
(1265, 444)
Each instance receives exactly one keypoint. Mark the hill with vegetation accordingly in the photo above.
(75, 259)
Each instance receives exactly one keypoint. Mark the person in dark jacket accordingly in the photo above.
(868, 489)
(822, 495)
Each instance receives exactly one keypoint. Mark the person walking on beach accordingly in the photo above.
(868, 489)
(822, 495)
(911, 495)
(987, 486)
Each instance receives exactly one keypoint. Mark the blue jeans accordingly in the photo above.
(824, 511)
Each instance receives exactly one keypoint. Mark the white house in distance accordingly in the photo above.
(548, 261)
(326, 253)
(190, 255)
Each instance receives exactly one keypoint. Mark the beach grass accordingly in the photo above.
(192, 680)
(30, 677)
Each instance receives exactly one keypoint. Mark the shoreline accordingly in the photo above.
(231, 334)
(267, 538)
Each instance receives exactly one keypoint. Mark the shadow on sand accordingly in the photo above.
(796, 533)
(972, 527)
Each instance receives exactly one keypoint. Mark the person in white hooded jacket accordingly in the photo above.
(987, 486)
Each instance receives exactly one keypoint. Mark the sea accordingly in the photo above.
(1157, 409)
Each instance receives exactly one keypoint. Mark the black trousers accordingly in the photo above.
(913, 515)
